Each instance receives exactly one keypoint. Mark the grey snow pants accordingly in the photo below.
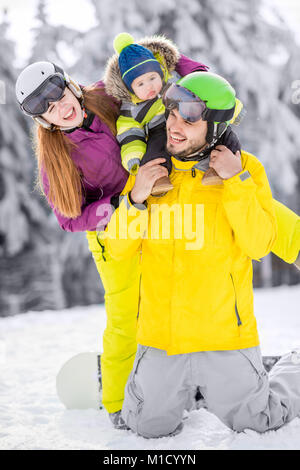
(234, 384)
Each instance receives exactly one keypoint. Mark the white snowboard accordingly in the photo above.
(78, 383)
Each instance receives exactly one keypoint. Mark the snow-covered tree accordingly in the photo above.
(50, 41)
(251, 45)
(21, 214)
(34, 252)
(247, 42)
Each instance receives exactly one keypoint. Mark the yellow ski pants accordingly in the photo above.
(121, 281)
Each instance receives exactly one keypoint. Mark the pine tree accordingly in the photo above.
(49, 39)
(23, 219)
(250, 45)
(43, 267)
(96, 46)
(66, 286)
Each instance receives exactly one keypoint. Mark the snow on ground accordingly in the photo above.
(34, 346)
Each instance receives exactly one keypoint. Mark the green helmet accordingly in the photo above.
(220, 105)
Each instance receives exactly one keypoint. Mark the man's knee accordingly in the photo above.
(155, 399)
(259, 426)
(143, 417)
(161, 430)
(257, 420)
(151, 427)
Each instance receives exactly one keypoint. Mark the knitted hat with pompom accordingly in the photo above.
(134, 60)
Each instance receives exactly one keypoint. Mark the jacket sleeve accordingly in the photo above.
(94, 216)
(127, 227)
(185, 66)
(287, 244)
(156, 147)
(132, 139)
(248, 203)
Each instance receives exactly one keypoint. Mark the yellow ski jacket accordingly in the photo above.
(197, 246)
(287, 245)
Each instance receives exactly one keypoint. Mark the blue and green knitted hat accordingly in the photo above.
(134, 60)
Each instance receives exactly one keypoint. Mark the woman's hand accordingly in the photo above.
(145, 179)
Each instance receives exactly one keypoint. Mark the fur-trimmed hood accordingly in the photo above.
(164, 51)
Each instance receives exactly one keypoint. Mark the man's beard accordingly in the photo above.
(192, 149)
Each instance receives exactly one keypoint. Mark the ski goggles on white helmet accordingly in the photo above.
(52, 89)
(190, 107)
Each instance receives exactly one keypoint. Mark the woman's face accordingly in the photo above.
(66, 112)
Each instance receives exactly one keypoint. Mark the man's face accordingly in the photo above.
(185, 138)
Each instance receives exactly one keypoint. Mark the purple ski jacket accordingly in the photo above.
(98, 159)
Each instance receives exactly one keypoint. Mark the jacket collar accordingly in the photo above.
(86, 124)
(91, 124)
(179, 165)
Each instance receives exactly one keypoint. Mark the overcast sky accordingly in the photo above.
(69, 12)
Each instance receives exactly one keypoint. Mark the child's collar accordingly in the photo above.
(135, 99)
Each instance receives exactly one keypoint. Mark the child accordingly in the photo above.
(137, 77)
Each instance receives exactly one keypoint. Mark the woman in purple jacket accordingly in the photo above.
(81, 174)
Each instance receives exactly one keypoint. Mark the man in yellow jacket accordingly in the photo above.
(196, 325)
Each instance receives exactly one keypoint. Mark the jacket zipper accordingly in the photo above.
(239, 321)
(172, 277)
(139, 302)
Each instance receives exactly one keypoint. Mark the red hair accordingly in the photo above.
(53, 152)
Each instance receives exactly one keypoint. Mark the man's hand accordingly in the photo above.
(145, 179)
(224, 162)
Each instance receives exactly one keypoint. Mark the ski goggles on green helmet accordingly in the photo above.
(191, 107)
(52, 89)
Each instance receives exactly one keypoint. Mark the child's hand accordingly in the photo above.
(145, 179)
(224, 162)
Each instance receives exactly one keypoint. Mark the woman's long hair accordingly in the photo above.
(53, 150)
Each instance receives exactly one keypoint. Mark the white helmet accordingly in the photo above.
(40, 83)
